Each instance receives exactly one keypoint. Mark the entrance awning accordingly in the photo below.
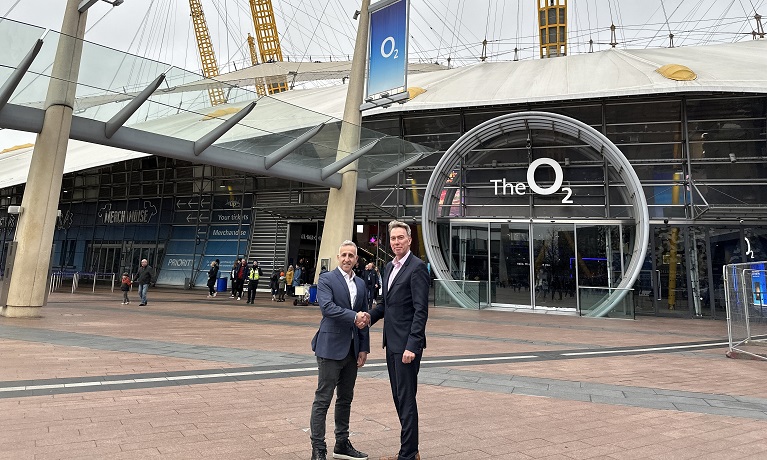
(134, 103)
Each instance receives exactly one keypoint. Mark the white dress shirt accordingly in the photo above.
(351, 284)
(397, 265)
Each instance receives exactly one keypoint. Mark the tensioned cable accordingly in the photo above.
(720, 19)
(441, 34)
(426, 37)
(236, 39)
(313, 34)
(496, 29)
(11, 8)
(319, 22)
(519, 26)
(455, 33)
(663, 6)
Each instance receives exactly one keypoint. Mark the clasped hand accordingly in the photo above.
(362, 320)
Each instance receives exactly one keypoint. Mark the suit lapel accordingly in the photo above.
(348, 298)
(398, 276)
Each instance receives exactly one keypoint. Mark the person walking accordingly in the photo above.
(144, 277)
(341, 346)
(404, 307)
(253, 276)
(281, 284)
(371, 282)
(240, 275)
(125, 287)
(298, 274)
(289, 281)
(235, 267)
(274, 284)
(212, 278)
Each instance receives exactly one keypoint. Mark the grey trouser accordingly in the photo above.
(333, 374)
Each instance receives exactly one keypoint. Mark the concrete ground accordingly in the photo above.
(190, 377)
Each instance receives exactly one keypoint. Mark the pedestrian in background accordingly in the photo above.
(125, 287)
(281, 284)
(289, 281)
(240, 275)
(231, 276)
(274, 284)
(144, 277)
(212, 278)
(297, 277)
(253, 276)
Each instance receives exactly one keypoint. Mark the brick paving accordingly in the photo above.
(190, 377)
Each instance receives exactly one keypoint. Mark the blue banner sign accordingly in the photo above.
(388, 47)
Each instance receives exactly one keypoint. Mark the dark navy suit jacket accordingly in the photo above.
(337, 329)
(404, 307)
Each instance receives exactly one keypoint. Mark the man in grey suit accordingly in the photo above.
(405, 309)
(341, 345)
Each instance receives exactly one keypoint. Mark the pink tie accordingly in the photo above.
(397, 265)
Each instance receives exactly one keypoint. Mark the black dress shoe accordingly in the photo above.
(344, 450)
(319, 454)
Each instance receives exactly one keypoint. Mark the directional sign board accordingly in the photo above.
(387, 47)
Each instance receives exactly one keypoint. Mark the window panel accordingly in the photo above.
(642, 112)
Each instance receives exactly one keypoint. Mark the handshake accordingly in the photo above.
(362, 320)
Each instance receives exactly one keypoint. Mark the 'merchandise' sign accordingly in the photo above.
(520, 188)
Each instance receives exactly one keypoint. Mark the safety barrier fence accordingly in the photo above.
(61, 278)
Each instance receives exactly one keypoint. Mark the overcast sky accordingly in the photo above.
(324, 29)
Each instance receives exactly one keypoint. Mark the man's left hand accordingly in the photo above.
(361, 358)
(408, 357)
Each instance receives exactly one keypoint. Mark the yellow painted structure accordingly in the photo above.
(552, 27)
(207, 55)
(677, 72)
(268, 40)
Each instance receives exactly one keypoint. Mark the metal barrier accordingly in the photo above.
(58, 278)
(745, 286)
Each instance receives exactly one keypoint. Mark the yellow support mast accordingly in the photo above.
(552, 27)
(260, 89)
(268, 40)
(207, 55)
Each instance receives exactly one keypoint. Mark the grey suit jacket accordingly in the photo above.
(337, 330)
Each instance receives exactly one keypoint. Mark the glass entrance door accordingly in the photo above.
(510, 264)
(671, 271)
(469, 258)
(554, 265)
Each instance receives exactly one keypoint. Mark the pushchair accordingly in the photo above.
(302, 295)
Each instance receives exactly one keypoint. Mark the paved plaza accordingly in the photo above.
(190, 377)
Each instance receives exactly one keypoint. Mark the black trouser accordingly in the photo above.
(252, 286)
(404, 386)
(238, 285)
(211, 286)
(333, 374)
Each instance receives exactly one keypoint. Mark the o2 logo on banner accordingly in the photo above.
(521, 188)
(388, 46)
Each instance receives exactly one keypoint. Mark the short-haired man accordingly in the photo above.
(405, 309)
(144, 277)
(341, 345)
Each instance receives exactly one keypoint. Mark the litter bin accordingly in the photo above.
(313, 293)
(221, 285)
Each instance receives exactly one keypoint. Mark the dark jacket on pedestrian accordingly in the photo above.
(145, 275)
(213, 272)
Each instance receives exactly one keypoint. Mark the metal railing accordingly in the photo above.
(58, 279)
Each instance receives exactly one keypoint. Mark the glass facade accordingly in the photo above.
(701, 158)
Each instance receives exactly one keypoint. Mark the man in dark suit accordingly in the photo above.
(404, 309)
(341, 345)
